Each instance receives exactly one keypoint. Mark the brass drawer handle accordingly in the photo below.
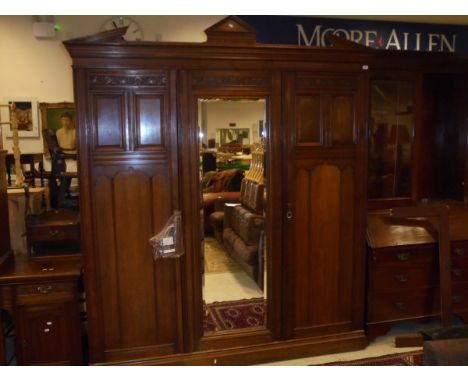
(401, 277)
(45, 290)
(53, 233)
(400, 305)
(457, 299)
(457, 272)
(458, 251)
(404, 256)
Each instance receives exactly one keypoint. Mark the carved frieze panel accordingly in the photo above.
(230, 81)
(325, 83)
(99, 80)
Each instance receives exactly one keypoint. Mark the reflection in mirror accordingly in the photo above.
(390, 139)
(232, 176)
(53, 223)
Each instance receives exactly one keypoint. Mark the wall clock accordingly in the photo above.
(134, 32)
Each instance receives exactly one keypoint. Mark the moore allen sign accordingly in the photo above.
(375, 39)
(310, 31)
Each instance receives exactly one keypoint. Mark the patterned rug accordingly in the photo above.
(216, 258)
(399, 359)
(228, 315)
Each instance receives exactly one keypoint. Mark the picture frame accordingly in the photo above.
(27, 115)
(50, 118)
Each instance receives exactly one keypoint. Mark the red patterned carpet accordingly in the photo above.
(230, 315)
(400, 359)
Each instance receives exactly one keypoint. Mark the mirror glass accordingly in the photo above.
(232, 182)
(390, 139)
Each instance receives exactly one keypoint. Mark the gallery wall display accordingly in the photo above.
(56, 116)
(27, 117)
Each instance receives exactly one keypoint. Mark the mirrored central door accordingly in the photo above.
(233, 187)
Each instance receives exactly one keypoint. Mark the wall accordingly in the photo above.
(244, 113)
(41, 69)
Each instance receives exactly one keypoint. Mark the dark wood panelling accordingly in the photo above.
(342, 119)
(48, 335)
(325, 195)
(133, 204)
(131, 188)
(148, 110)
(324, 204)
(309, 121)
(109, 121)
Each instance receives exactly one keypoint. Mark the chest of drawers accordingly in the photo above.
(403, 269)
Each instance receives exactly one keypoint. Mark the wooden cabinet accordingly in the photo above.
(128, 193)
(417, 128)
(391, 132)
(138, 141)
(326, 195)
(42, 297)
(403, 269)
(47, 334)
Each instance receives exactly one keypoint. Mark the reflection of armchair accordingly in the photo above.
(221, 185)
(56, 231)
(60, 179)
(243, 229)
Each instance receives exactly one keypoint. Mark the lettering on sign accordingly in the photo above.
(395, 40)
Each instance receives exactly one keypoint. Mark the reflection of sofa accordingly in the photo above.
(219, 187)
(243, 229)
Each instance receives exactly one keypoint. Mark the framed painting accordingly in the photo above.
(26, 115)
(58, 119)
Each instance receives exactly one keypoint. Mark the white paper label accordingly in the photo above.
(168, 240)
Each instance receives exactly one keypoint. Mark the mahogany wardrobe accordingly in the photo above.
(137, 128)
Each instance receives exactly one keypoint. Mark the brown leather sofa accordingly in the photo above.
(220, 187)
(243, 229)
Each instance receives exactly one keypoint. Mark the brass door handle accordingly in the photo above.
(289, 214)
(458, 251)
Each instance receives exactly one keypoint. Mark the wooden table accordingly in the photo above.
(31, 159)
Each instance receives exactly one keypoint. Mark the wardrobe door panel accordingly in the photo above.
(135, 300)
(323, 213)
(109, 121)
(133, 284)
(342, 119)
(148, 120)
(309, 121)
(326, 200)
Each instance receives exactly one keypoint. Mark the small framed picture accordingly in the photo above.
(59, 119)
(26, 114)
